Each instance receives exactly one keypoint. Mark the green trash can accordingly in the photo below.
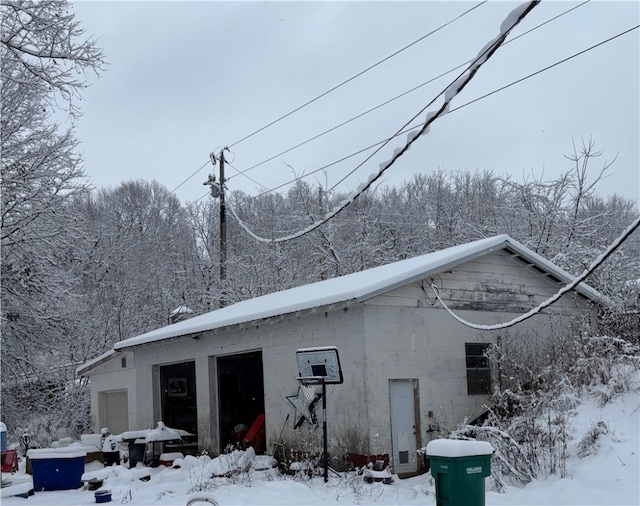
(459, 468)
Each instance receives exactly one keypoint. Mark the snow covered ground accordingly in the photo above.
(610, 475)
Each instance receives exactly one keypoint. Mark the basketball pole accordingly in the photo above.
(324, 430)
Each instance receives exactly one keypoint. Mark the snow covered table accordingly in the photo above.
(139, 439)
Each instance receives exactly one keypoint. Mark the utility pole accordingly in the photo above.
(223, 226)
(217, 191)
(324, 273)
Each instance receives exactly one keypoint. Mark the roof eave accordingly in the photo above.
(582, 288)
(333, 306)
(84, 369)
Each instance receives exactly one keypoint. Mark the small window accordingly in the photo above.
(123, 362)
(478, 371)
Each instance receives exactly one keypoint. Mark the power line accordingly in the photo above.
(403, 130)
(564, 60)
(454, 89)
(335, 88)
(408, 129)
(450, 92)
(198, 170)
(199, 199)
(554, 298)
(358, 74)
(243, 172)
(415, 88)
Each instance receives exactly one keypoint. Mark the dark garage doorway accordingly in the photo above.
(179, 407)
(241, 393)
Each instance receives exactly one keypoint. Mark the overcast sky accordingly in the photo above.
(187, 78)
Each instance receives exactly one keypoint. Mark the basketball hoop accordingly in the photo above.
(320, 362)
(310, 388)
(318, 367)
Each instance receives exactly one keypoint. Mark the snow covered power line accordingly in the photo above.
(334, 88)
(486, 95)
(243, 172)
(346, 81)
(508, 24)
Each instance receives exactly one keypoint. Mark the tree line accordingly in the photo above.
(84, 268)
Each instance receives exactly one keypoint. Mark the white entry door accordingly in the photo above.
(402, 394)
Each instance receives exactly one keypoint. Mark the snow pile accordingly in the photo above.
(71, 452)
(204, 467)
(549, 424)
(115, 474)
(603, 466)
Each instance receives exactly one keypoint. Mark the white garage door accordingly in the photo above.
(116, 411)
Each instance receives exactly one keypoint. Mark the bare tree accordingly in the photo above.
(44, 46)
(581, 188)
(43, 59)
(139, 258)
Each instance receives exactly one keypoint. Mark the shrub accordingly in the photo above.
(528, 421)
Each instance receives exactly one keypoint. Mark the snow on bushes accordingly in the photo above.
(529, 424)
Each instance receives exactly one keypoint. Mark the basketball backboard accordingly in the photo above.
(321, 362)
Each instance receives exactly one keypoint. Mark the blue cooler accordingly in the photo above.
(57, 468)
(3, 437)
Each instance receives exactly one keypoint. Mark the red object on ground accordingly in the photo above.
(359, 461)
(9, 461)
(255, 437)
(166, 459)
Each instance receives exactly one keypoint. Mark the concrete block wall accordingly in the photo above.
(428, 345)
(343, 329)
(278, 340)
(410, 336)
(395, 349)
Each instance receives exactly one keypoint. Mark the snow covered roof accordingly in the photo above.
(359, 286)
(80, 370)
